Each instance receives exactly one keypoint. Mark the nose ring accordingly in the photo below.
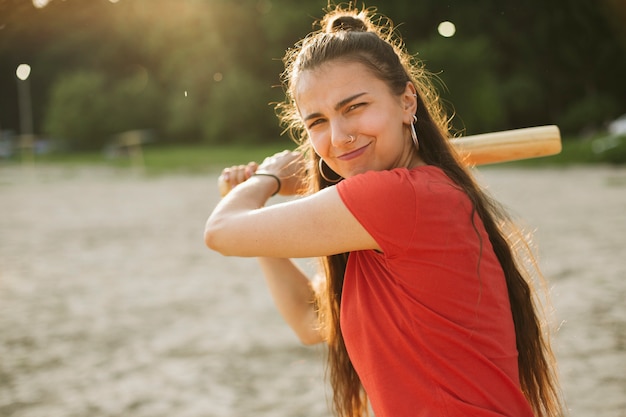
(352, 138)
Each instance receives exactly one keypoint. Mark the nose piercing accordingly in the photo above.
(352, 138)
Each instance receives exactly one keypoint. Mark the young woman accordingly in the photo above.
(425, 305)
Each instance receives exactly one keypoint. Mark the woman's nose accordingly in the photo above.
(339, 134)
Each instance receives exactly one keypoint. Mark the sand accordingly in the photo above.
(110, 305)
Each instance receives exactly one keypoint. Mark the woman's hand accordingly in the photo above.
(235, 175)
(288, 166)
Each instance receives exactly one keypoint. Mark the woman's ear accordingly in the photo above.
(409, 101)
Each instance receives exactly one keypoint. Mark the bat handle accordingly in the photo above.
(223, 185)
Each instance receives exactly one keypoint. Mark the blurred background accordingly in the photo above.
(111, 305)
(76, 74)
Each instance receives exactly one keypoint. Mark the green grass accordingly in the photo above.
(206, 158)
(161, 159)
(169, 159)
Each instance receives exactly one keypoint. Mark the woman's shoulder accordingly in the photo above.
(397, 177)
(395, 187)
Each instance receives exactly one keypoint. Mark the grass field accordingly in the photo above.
(158, 159)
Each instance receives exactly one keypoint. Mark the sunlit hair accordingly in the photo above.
(351, 35)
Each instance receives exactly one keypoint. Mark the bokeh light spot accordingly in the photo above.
(446, 29)
(23, 71)
(40, 3)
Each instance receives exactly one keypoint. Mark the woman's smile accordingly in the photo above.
(354, 153)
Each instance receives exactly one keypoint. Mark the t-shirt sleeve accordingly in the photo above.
(384, 202)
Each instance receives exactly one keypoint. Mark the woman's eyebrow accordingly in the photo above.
(337, 106)
(348, 100)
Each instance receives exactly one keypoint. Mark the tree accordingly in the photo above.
(78, 111)
(509, 64)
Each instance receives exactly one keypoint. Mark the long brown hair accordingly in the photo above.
(362, 36)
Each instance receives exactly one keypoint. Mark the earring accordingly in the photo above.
(414, 133)
(321, 167)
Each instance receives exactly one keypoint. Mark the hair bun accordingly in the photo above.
(346, 23)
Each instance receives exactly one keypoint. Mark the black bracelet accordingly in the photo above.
(265, 174)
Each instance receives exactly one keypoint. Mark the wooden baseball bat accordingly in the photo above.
(491, 148)
(509, 145)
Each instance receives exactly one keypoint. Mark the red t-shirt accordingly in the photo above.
(427, 323)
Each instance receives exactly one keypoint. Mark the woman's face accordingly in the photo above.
(342, 100)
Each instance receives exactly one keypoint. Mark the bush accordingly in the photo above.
(184, 114)
(588, 113)
(238, 108)
(86, 108)
(611, 149)
(469, 82)
(77, 111)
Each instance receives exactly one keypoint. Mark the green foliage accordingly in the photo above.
(611, 149)
(87, 107)
(203, 70)
(78, 110)
(234, 110)
(134, 102)
(183, 113)
(467, 74)
(588, 112)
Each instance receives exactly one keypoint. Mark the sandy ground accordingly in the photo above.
(110, 305)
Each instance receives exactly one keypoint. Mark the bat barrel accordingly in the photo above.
(509, 145)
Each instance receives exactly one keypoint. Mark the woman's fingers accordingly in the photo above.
(287, 165)
(235, 175)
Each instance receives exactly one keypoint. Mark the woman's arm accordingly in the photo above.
(313, 226)
(294, 297)
(317, 225)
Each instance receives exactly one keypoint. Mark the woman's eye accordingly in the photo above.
(315, 123)
(354, 106)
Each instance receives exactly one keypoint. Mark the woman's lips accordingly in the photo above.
(353, 154)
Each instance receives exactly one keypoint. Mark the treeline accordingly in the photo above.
(207, 70)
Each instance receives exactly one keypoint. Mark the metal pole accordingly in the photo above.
(26, 142)
(26, 112)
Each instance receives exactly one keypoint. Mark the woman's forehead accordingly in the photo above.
(333, 82)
